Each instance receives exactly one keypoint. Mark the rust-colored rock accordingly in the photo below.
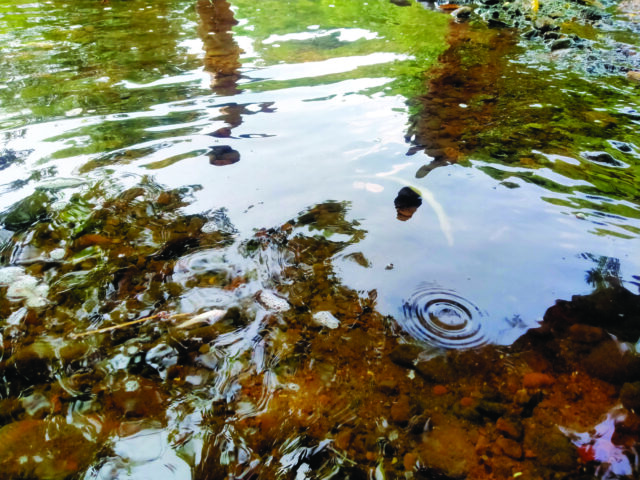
(401, 410)
(466, 401)
(91, 239)
(537, 380)
(440, 390)
(510, 448)
(509, 428)
(409, 461)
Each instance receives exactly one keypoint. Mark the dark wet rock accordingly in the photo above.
(593, 14)
(608, 362)
(73, 352)
(511, 428)
(34, 361)
(491, 409)
(437, 370)
(622, 146)
(462, 13)
(510, 448)
(630, 396)
(405, 355)
(221, 155)
(603, 158)
(545, 24)
(586, 333)
(10, 410)
(613, 308)
(27, 211)
(388, 386)
(551, 35)
(561, 43)
(468, 412)
(401, 3)
(551, 447)
(494, 23)
(419, 424)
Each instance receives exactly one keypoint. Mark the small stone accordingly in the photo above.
(405, 354)
(509, 428)
(537, 380)
(510, 448)
(343, 439)
(633, 75)
(492, 410)
(440, 390)
(387, 386)
(409, 461)
(560, 44)
(466, 401)
(272, 302)
(462, 13)
(326, 319)
(401, 410)
(436, 370)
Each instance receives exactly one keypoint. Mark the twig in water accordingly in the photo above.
(162, 315)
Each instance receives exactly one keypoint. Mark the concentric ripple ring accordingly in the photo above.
(442, 317)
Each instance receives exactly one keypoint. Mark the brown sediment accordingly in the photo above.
(358, 397)
(463, 90)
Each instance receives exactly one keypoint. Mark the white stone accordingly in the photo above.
(326, 319)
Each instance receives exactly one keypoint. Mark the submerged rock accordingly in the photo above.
(551, 447)
(272, 302)
(326, 319)
(630, 396)
(51, 450)
(405, 355)
(27, 211)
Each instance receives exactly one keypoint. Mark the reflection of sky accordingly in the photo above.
(343, 35)
(325, 67)
(505, 250)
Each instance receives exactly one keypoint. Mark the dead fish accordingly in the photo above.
(272, 302)
(210, 317)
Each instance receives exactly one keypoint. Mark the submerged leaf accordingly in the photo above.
(210, 317)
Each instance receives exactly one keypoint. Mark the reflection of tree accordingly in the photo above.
(221, 51)
(51, 68)
(462, 94)
(605, 273)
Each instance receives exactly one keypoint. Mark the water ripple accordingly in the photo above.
(444, 318)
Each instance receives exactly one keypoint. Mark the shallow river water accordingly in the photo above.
(318, 239)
